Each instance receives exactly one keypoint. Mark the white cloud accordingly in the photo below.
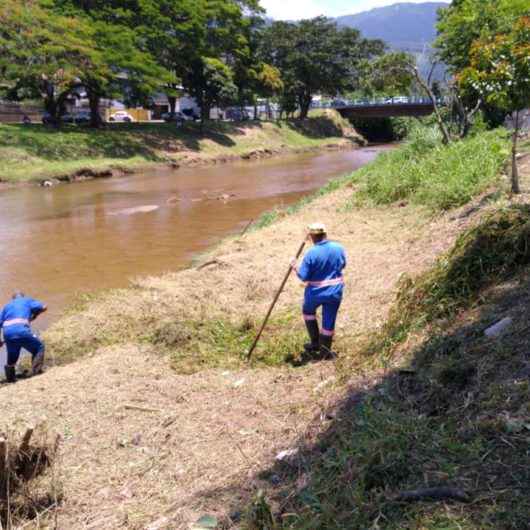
(297, 9)
(293, 9)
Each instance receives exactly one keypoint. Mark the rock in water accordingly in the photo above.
(137, 209)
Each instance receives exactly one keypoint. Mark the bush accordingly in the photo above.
(429, 173)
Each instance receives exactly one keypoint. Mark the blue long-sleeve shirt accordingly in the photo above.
(322, 268)
(17, 314)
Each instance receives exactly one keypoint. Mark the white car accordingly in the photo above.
(121, 115)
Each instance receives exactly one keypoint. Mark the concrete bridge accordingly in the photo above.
(381, 108)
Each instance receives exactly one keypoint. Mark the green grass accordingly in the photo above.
(198, 345)
(191, 345)
(36, 152)
(422, 171)
(428, 173)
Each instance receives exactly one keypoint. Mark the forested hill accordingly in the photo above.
(403, 26)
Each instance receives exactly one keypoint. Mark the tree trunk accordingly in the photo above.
(50, 103)
(305, 103)
(205, 114)
(95, 118)
(172, 100)
(432, 97)
(255, 111)
(515, 173)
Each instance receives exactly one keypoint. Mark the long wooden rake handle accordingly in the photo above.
(288, 273)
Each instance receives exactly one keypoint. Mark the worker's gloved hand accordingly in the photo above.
(294, 263)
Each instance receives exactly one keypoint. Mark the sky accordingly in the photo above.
(296, 9)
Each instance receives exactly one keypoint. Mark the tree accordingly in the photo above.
(120, 66)
(123, 62)
(315, 56)
(211, 82)
(43, 53)
(499, 71)
(389, 74)
(463, 23)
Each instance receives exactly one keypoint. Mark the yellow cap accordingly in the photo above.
(317, 228)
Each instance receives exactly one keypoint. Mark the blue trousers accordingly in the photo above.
(330, 308)
(28, 341)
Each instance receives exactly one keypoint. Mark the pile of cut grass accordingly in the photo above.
(428, 173)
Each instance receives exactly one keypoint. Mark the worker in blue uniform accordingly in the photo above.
(321, 270)
(15, 321)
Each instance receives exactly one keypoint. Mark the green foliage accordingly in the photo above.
(212, 82)
(500, 68)
(426, 172)
(316, 56)
(389, 74)
(56, 53)
(467, 21)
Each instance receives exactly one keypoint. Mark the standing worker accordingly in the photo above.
(321, 270)
(15, 321)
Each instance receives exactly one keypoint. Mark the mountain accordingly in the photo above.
(404, 26)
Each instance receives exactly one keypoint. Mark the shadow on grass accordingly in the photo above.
(454, 416)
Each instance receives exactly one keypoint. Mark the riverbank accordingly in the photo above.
(35, 153)
(143, 445)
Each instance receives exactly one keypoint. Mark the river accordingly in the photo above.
(59, 242)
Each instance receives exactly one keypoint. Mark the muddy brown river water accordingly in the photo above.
(58, 242)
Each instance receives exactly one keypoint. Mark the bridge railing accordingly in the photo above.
(377, 102)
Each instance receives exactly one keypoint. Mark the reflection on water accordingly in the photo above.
(57, 242)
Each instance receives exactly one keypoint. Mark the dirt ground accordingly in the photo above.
(145, 448)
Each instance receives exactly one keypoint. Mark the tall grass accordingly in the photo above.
(426, 172)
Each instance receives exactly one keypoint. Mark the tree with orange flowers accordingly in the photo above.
(499, 71)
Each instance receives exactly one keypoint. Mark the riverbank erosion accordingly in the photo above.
(38, 153)
(164, 423)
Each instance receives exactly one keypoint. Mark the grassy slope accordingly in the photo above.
(451, 407)
(456, 415)
(35, 152)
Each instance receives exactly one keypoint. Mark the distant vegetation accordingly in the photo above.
(36, 152)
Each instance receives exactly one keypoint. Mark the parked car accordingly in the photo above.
(237, 114)
(77, 118)
(191, 114)
(121, 115)
(177, 117)
(82, 117)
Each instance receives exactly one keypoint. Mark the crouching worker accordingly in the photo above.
(15, 321)
(321, 270)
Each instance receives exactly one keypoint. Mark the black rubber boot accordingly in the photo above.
(325, 347)
(37, 363)
(10, 374)
(313, 332)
